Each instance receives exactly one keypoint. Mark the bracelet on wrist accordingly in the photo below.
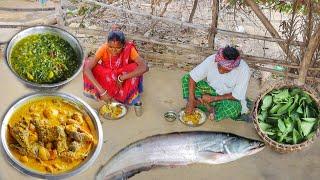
(120, 79)
(104, 93)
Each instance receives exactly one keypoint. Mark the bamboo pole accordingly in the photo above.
(27, 9)
(195, 26)
(214, 23)
(269, 27)
(311, 48)
(48, 20)
(257, 37)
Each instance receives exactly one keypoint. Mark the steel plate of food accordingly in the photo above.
(196, 118)
(113, 111)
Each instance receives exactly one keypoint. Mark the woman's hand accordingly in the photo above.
(105, 97)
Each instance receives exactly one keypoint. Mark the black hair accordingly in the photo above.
(230, 53)
(117, 36)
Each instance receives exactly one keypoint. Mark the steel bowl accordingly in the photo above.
(74, 43)
(170, 116)
(69, 98)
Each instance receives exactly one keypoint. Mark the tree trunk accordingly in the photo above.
(214, 23)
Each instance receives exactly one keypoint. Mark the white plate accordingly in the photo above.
(201, 121)
(113, 104)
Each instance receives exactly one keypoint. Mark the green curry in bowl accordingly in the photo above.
(44, 58)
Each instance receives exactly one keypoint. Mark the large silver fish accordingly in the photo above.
(177, 149)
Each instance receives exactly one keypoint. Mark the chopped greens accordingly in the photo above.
(44, 59)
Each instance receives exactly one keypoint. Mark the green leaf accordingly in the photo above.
(263, 115)
(264, 126)
(309, 119)
(272, 120)
(295, 91)
(281, 126)
(288, 139)
(270, 133)
(295, 136)
(289, 125)
(298, 124)
(284, 94)
(311, 135)
(306, 127)
(267, 102)
(308, 98)
(313, 112)
(295, 104)
(275, 108)
(274, 92)
(299, 110)
(284, 109)
(281, 137)
(302, 99)
(307, 112)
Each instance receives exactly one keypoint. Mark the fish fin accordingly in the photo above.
(225, 147)
(210, 154)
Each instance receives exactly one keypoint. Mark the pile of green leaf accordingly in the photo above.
(288, 116)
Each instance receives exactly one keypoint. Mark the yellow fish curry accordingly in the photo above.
(51, 135)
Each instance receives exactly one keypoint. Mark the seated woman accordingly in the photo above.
(115, 73)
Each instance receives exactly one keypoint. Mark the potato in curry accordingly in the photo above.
(51, 135)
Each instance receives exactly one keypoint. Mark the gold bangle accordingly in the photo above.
(104, 93)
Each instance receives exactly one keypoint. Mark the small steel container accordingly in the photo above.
(138, 109)
(170, 116)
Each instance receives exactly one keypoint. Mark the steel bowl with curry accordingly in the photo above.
(51, 135)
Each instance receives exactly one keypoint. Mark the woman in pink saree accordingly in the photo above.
(115, 73)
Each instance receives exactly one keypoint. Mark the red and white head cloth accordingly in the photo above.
(228, 64)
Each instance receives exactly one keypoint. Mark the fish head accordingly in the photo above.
(244, 146)
(229, 149)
